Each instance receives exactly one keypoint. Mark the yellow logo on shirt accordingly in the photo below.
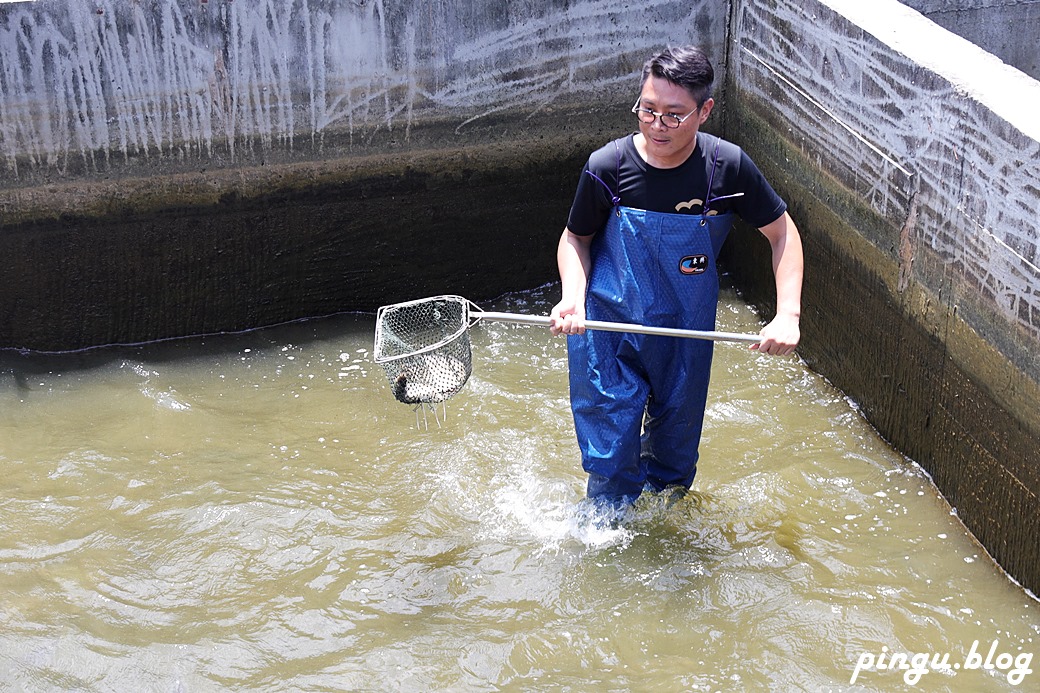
(695, 202)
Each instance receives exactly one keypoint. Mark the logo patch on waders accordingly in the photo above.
(694, 264)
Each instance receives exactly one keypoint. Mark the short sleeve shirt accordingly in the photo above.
(616, 169)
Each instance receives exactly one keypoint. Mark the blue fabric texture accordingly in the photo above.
(638, 400)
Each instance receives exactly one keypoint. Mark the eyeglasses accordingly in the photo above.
(669, 120)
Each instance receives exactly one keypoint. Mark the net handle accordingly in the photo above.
(544, 320)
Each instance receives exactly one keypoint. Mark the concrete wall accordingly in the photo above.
(127, 86)
(1009, 29)
(179, 166)
(916, 179)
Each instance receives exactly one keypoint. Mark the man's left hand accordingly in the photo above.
(780, 337)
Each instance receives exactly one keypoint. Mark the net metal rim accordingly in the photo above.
(380, 358)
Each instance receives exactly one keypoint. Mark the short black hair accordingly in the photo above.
(685, 66)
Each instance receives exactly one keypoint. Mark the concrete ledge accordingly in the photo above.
(1005, 28)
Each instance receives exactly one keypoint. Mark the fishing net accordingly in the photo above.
(423, 345)
(424, 348)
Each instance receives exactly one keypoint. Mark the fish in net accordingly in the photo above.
(424, 349)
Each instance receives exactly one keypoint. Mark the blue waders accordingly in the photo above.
(658, 269)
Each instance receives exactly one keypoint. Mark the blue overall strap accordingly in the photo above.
(718, 230)
(615, 199)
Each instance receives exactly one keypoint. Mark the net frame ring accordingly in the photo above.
(424, 349)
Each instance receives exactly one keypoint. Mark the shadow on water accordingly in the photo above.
(257, 512)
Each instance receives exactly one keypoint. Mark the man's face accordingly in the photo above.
(668, 147)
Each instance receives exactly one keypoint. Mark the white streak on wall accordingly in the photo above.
(976, 167)
(836, 119)
(181, 79)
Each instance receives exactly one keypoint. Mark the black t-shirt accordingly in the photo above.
(676, 190)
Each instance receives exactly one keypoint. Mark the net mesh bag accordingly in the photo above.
(424, 348)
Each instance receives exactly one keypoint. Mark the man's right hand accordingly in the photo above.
(566, 318)
(574, 260)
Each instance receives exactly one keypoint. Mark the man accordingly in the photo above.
(649, 216)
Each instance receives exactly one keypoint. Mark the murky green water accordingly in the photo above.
(256, 512)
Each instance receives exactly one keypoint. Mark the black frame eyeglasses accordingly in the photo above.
(669, 120)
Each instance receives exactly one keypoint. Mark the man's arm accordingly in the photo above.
(781, 335)
(574, 260)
